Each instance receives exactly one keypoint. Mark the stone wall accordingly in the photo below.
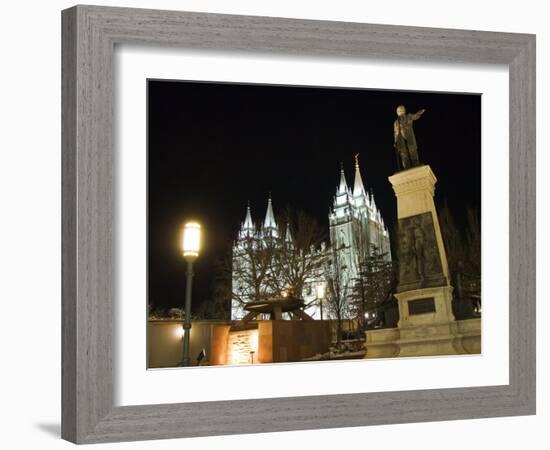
(242, 346)
(270, 340)
(293, 340)
(165, 342)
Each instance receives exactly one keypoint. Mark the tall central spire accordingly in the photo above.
(358, 188)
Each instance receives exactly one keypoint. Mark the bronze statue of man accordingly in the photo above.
(404, 140)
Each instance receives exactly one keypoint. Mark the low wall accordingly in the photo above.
(293, 340)
(165, 341)
(269, 341)
(263, 341)
(218, 347)
(242, 346)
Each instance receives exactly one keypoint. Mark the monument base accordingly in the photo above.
(427, 306)
(426, 327)
(451, 338)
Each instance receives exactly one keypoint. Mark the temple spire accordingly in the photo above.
(288, 236)
(269, 221)
(343, 187)
(248, 225)
(372, 202)
(358, 188)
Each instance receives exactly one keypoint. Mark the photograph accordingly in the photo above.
(275, 225)
(300, 224)
(294, 224)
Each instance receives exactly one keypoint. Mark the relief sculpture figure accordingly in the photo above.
(419, 243)
(408, 266)
(419, 263)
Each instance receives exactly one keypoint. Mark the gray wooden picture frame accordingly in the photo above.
(90, 34)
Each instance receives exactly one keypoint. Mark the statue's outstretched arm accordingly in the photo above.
(417, 114)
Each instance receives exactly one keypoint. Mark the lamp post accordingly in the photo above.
(191, 246)
(320, 296)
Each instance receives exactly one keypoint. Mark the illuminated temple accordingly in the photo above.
(354, 221)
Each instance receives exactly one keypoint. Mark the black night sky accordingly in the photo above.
(213, 147)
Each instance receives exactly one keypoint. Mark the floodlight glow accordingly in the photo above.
(179, 332)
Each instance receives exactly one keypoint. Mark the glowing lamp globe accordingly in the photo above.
(191, 240)
(321, 291)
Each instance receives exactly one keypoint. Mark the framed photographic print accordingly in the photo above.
(255, 209)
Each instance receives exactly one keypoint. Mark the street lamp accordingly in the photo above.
(191, 243)
(320, 296)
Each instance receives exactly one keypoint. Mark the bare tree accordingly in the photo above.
(243, 274)
(452, 238)
(338, 291)
(463, 250)
(297, 257)
(222, 285)
(471, 277)
(218, 307)
(372, 286)
(252, 265)
(473, 240)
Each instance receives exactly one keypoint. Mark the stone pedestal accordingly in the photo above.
(425, 306)
(452, 338)
(427, 325)
(422, 257)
